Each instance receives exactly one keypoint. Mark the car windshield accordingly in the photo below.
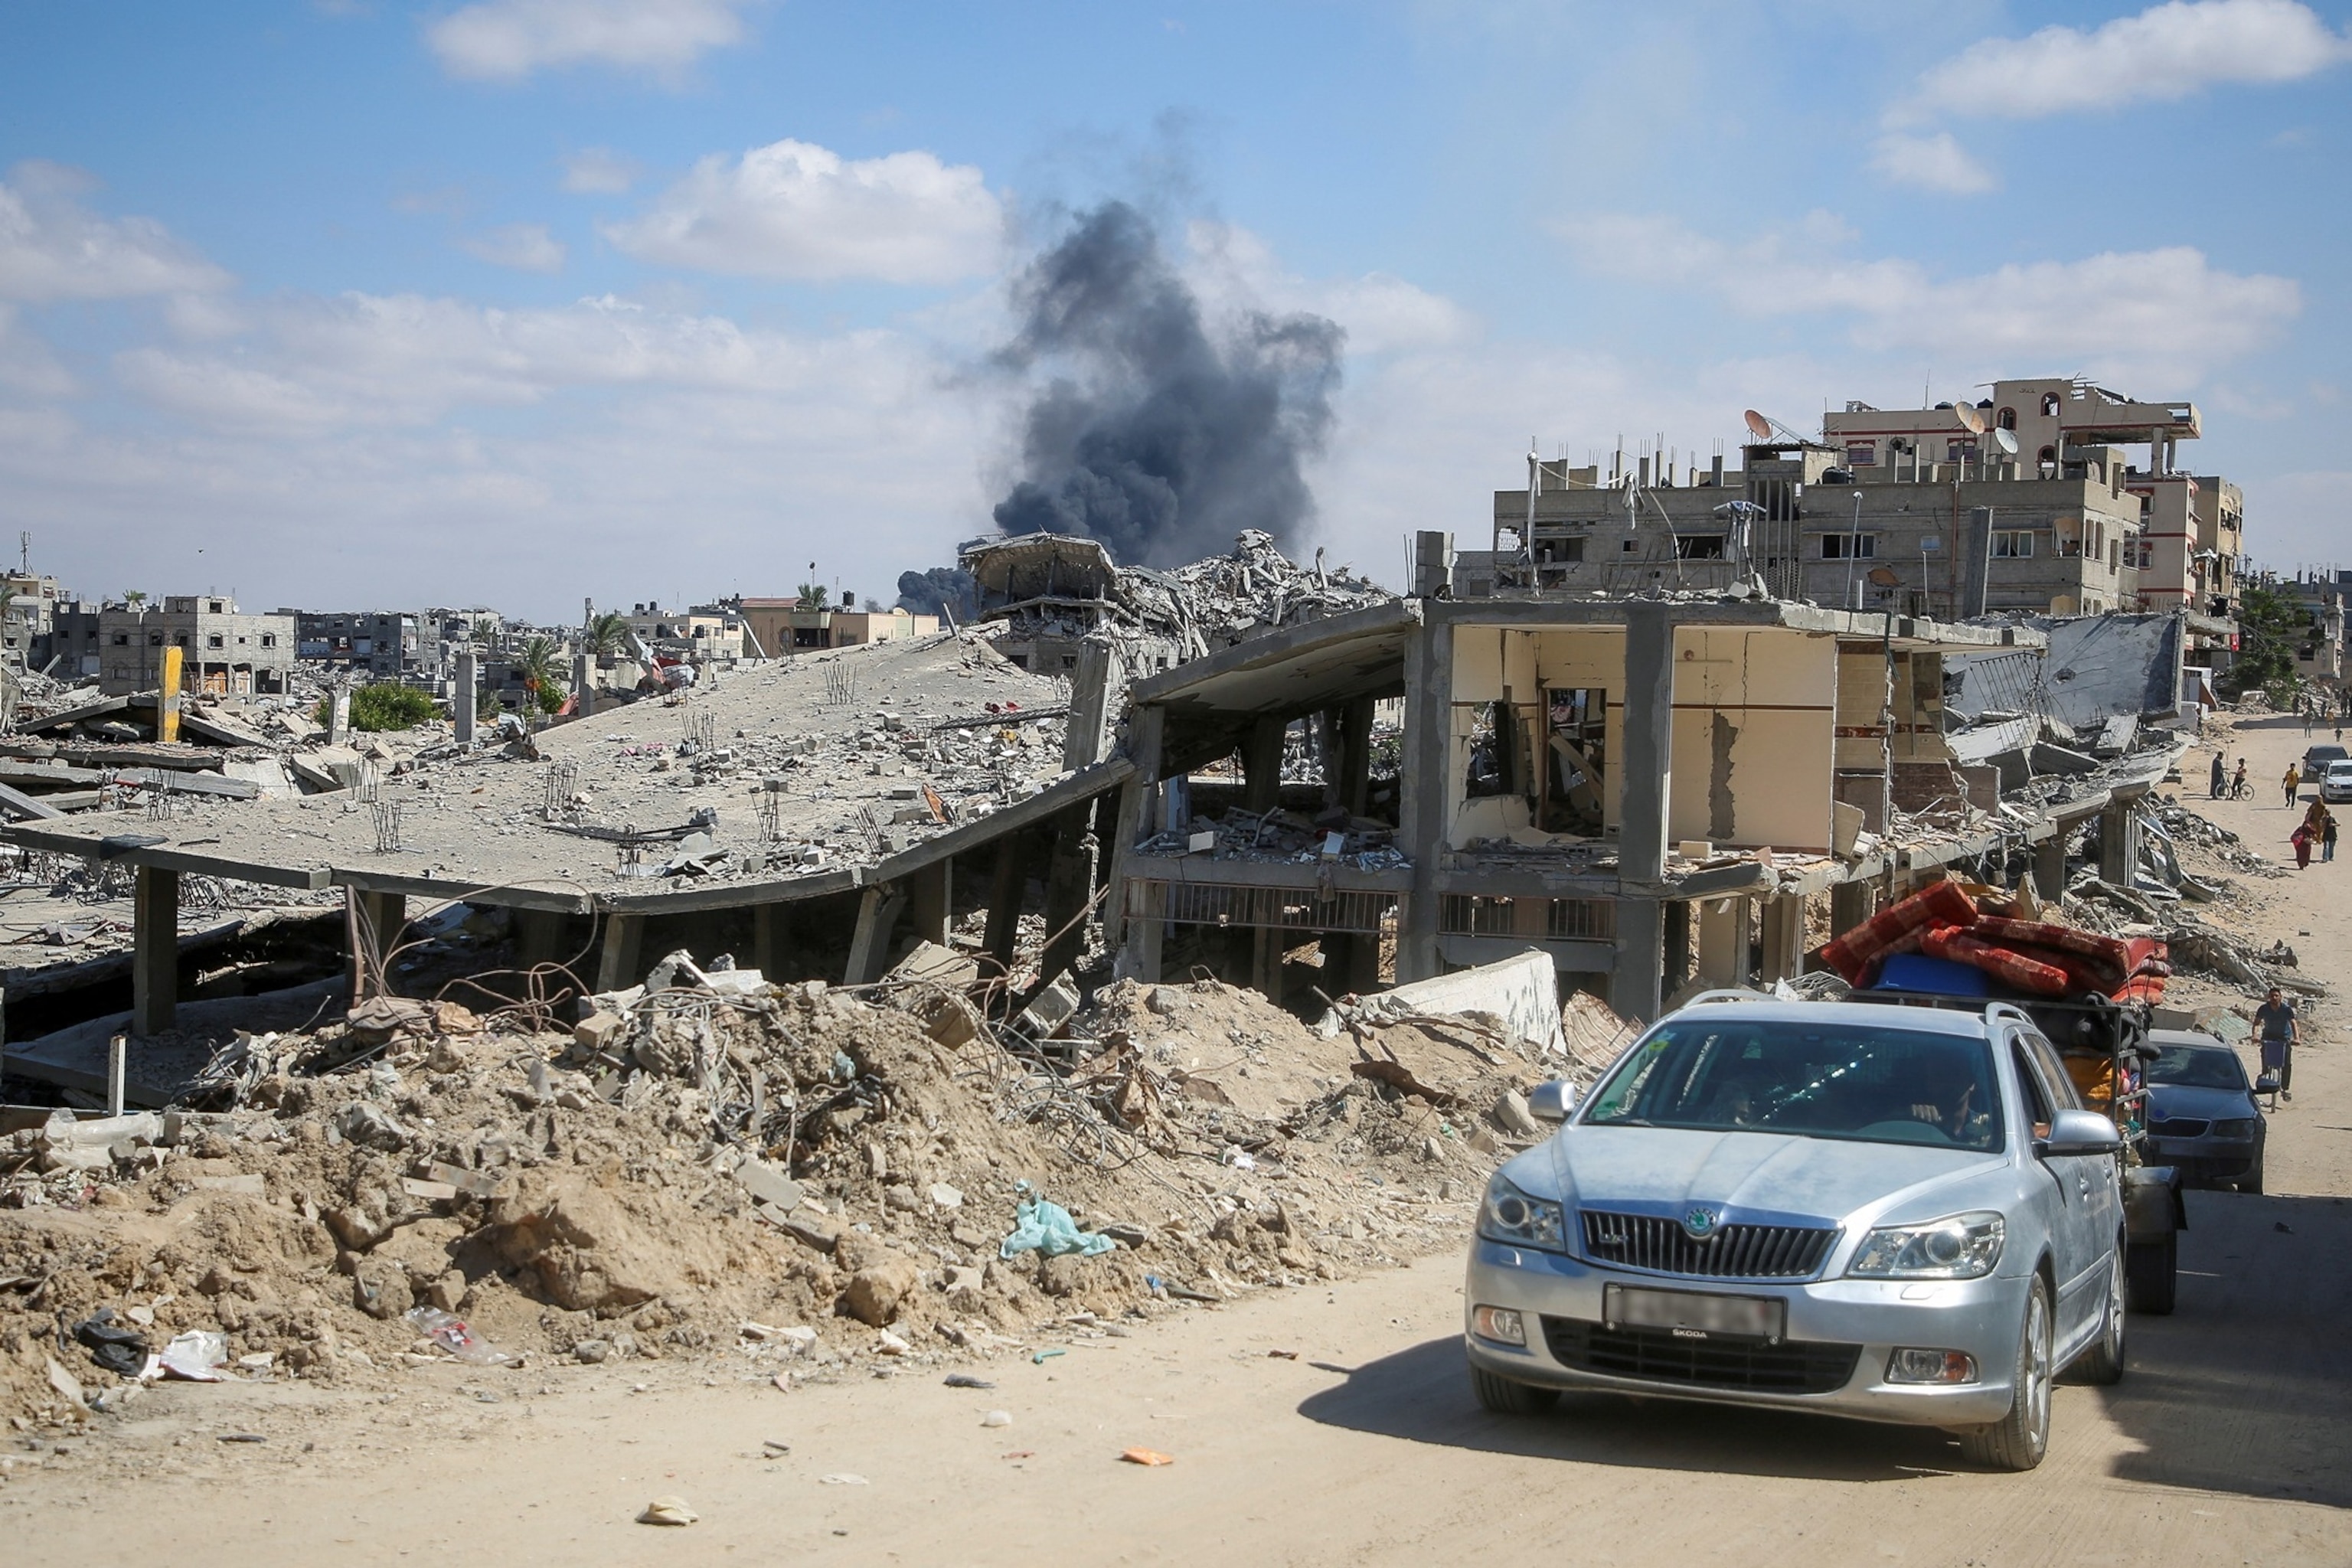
(1862, 1081)
(2198, 1066)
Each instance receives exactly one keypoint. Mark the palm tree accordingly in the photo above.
(134, 597)
(608, 633)
(813, 597)
(537, 660)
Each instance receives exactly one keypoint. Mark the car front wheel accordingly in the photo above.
(2018, 1440)
(1505, 1397)
(2103, 1362)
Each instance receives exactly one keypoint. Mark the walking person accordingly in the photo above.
(2239, 788)
(2220, 776)
(2301, 839)
(2278, 1029)
(2328, 837)
(2294, 781)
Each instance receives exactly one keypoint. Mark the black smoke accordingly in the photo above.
(1148, 433)
(949, 589)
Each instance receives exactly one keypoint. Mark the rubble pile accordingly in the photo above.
(793, 1181)
(1335, 837)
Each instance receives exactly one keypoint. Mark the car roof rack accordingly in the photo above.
(1730, 994)
(2009, 1011)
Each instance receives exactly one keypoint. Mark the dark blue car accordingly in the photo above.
(2203, 1119)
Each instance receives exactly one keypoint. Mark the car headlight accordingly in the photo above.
(2239, 1129)
(1959, 1247)
(1510, 1216)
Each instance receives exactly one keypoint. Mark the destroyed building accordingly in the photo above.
(224, 650)
(2030, 501)
(776, 627)
(382, 644)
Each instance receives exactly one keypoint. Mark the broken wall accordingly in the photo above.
(1754, 720)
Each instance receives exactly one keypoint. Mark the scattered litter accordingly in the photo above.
(965, 1380)
(1042, 1357)
(667, 1510)
(194, 1357)
(1147, 1456)
(997, 1418)
(844, 1478)
(452, 1334)
(243, 1438)
(1040, 1226)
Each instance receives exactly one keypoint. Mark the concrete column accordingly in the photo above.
(1006, 886)
(339, 712)
(1645, 758)
(1675, 952)
(1848, 907)
(375, 921)
(583, 684)
(461, 697)
(156, 949)
(538, 938)
(1635, 988)
(1090, 709)
(1144, 934)
(1723, 958)
(869, 944)
(1068, 879)
(1355, 779)
(771, 937)
(2118, 843)
(1783, 938)
(1261, 764)
(2050, 867)
(1137, 818)
(1266, 962)
(1429, 787)
(931, 891)
(618, 964)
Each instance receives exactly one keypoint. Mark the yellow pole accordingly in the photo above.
(167, 698)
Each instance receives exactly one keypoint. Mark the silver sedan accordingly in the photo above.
(1894, 1212)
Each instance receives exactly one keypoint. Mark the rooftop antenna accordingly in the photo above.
(1765, 428)
(24, 552)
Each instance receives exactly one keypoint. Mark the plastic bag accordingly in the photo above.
(1042, 1227)
(195, 1356)
(452, 1335)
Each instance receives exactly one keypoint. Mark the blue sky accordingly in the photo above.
(518, 302)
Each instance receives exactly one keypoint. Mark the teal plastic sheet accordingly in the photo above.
(1039, 1225)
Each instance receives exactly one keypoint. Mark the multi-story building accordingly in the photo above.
(781, 626)
(28, 620)
(385, 645)
(2027, 502)
(707, 634)
(223, 649)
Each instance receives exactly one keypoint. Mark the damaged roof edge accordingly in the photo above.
(1276, 647)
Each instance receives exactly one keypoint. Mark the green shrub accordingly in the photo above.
(384, 707)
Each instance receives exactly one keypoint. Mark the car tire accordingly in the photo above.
(2150, 1271)
(1506, 1397)
(2102, 1363)
(2018, 1439)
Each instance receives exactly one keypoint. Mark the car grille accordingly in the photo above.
(2180, 1127)
(1656, 1355)
(1735, 1252)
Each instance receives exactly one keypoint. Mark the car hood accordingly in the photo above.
(2167, 1101)
(1751, 1175)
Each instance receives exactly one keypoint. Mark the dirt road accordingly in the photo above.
(2224, 1445)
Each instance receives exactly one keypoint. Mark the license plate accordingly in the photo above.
(1695, 1315)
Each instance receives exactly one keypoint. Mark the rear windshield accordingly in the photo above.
(1867, 1083)
(2198, 1066)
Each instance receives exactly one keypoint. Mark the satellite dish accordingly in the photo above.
(2006, 440)
(1970, 420)
(1885, 577)
(1758, 426)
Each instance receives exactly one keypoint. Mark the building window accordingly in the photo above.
(213, 640)
(2006, 419)
(269, 640)
(216, 608)
(1855, 546)
(1959, 449)
(2050, 405)
(1630, 546)
(1553, 553)
(1862, 454)
(122, 639)
(1699, 547)
(2012, 544)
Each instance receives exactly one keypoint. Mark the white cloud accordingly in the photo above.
(510, 39)
(2164, 53)
(525, 246)
(793, 210)
(1233, 269)
(26, 365)
(599, 170)
(53, 249)
(2165, 315)
(1931, 163)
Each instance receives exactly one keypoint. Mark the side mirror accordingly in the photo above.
(2080, 1133)
(1551, 1101)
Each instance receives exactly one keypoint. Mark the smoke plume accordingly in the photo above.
(1148, 432)
(942, 589)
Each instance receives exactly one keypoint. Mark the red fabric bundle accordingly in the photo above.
(1943, 904)
(2112, 952)
(2005, 964)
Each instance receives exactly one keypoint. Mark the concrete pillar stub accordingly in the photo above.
(461, 697)
(1427, 787)
(1848, 907)
(1723, 957)
(583, 684)
(619, 963)
(1645, 762)
(156, 949)
(1635, 980)
(1781, 934)
(1261, 764)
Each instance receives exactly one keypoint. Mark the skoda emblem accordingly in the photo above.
(1701, 1221)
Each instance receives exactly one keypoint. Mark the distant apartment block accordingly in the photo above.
(384, 644)
(224, 650)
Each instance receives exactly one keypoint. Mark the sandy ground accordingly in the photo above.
(1330, 1425)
